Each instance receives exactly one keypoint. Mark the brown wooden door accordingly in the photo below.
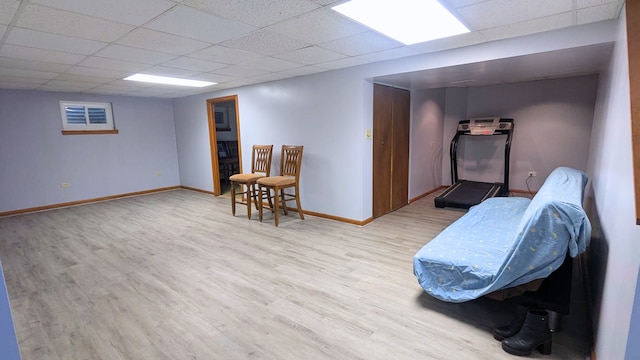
(390, 149)
(400, 152)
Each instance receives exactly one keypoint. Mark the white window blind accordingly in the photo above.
(82, 116)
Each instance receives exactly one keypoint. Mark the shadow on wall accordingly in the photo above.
(436, 167)
(594, 261)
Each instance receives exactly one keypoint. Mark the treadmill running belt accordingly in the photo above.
(465, 194)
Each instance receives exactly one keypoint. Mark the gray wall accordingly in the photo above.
(311, 111)
(553, 120)
(427, 120)
(35, 157)
(614, 253)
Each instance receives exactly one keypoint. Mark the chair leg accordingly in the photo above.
(249, 188)
(269, 199)
(298, 204)
(276, 203)
(284, 202)
(233, 198)
(254, 195)
(260, 203)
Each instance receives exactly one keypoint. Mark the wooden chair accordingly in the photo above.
(260, 167)
(290, 163)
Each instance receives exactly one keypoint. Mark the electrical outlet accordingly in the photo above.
(65, 185)
(533, 174)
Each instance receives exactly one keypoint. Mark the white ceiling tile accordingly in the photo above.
(162, 42)
(130, 12)
(318, 26)
(460, 3)
(61, 22)
(217, 78)
(111, 64)
(103, 90)
(362, 43)
(84, 78)
(7, 10)
(597, 13)
(304, 70)
(60, 88)
(183, 93)
(238, 83)
(124, 86)
(588, 3)
(258, 13)
(6, 62)
(150, 92)
(19, 79)
(29, 53)
(120, 52)
(225, 55)
(193, 64)
(195, 24)
(273, 76)
(265, 43)
(342, 63)
(388, 54)
(271, 64)
(291, 32)
(18, 85)
(170, 71)
(327, 2)
(38, 39)
(96, 72)
(311, 55)
(241, 71)
(451, 42)
(67, 85)
(25, 74)
(529, 27)
(495, 13)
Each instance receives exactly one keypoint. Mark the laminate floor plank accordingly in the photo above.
(173, 275)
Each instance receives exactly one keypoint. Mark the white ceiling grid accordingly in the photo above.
(89, 46)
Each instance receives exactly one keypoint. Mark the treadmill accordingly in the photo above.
(465, 193)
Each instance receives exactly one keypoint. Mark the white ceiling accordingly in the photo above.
(88, 46)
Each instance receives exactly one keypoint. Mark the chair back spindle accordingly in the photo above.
(291, 160)
(261, 159)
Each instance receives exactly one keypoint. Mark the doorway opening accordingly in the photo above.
(224, 138)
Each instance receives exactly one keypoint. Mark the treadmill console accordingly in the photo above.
(484, 126)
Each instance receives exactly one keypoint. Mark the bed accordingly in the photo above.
(506, 242)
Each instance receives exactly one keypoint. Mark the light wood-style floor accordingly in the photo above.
(173, 275)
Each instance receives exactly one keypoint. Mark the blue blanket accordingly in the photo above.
(506, 242)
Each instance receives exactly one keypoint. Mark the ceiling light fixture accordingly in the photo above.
(408, 21)
(168, 80)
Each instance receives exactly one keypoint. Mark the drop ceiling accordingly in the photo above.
(89, 46)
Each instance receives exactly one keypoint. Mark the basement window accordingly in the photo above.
(86, 118)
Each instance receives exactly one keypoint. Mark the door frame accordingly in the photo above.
(213, 139)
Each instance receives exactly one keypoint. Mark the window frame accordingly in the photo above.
(87, 128)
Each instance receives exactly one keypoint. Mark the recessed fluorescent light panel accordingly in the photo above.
(168, 80)
(408, 21)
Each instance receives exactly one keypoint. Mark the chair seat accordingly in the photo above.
(245, 178)
(277, 181)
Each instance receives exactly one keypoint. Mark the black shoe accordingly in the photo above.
(533, 334)
(507, 331)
